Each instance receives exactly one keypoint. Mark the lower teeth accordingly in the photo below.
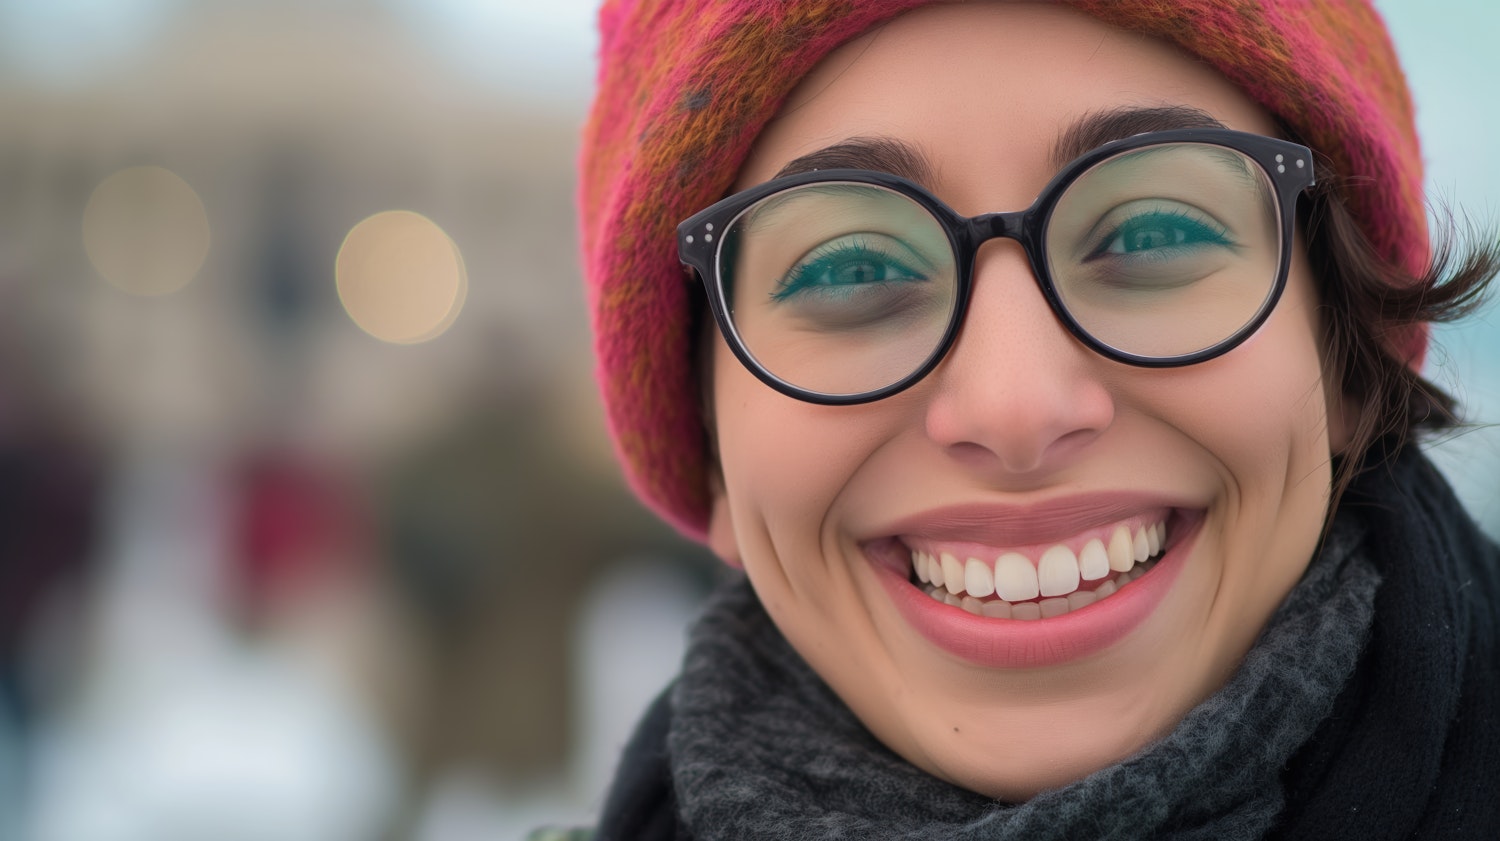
(1043, 608)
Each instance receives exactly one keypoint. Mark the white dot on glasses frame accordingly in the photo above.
(689, 239)
(708, 237)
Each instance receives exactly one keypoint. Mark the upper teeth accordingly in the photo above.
(1057, 572)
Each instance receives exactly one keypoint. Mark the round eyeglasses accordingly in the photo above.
(845, 286)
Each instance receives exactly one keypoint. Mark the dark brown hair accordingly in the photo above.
(1366, 298)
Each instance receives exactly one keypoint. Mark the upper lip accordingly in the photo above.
(1001, 524)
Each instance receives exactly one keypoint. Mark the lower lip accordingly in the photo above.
(1021, 644)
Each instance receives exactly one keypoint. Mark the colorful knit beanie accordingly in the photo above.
(685, 86)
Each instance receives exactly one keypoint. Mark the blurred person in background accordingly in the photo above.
(309, 608)
(1052, 371)
(49, 506)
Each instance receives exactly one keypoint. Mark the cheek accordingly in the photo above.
(1263, 405)
(785, 467)
(1257, 418)
(781, 458)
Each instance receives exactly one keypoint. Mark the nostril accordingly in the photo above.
(1070, 443)
(970, 454)
(1017, 442)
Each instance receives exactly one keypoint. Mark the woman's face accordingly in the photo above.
(1022, 440)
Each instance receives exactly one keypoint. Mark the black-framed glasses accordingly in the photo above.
(846, 286)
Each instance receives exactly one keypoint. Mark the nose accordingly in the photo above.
(1016, 395)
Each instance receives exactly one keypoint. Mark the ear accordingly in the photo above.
(721, 537)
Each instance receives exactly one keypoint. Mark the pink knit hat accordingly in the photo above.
(685, 86)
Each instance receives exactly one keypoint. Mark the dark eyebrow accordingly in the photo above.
(1100, 127)
(882, 154)
(887, 154)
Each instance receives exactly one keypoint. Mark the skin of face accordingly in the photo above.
(1020, 413)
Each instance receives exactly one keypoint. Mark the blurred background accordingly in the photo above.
(308, 523)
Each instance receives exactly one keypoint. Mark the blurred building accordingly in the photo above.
(307, 298)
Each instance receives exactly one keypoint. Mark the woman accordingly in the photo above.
(1026, 354)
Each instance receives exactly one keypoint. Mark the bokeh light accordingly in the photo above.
(400, 277)
(145, 230)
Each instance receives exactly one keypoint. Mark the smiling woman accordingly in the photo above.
(1029, 417)
(1026, 443)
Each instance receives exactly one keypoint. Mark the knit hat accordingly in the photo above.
(685, 87)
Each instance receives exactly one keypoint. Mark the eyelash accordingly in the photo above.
(819, 260)
(1219, 235)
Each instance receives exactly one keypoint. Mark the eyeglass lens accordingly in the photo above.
(844, 288)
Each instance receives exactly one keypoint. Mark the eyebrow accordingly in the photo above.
(1100, 127)
(897, 157)
(883, 154)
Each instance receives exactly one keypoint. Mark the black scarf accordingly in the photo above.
(1404, 740)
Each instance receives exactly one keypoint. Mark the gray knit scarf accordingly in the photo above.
(762, 748)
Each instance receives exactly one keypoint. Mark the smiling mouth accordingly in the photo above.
(1057, 579)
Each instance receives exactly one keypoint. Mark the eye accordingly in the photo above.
(1160, 234)
(844, 265)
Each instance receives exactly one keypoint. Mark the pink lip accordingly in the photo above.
(1013, 525)
(1017, 644)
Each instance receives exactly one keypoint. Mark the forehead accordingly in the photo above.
(985, 91)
